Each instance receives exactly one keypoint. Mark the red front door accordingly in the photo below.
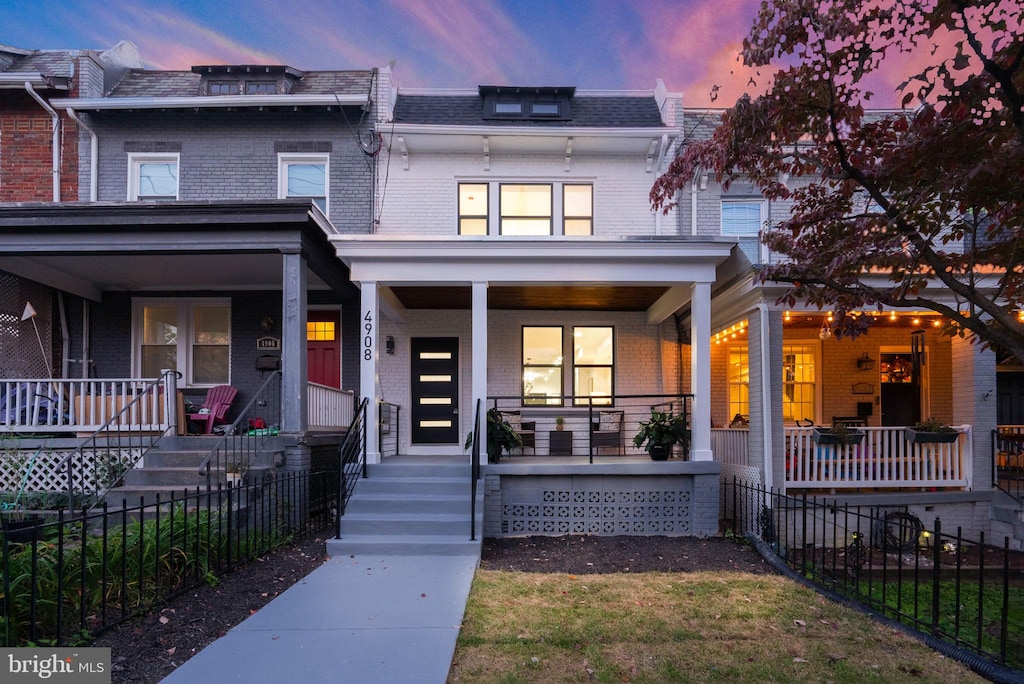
(323, 348)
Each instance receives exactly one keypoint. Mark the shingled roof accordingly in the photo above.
(146, 83)
(589, 111)
(49, 62)
(700, 124)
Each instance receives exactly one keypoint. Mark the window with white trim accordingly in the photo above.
(304, 175)
(743, 217)
(191, 336)
(738, 379)
(799, 384)
(152, 177)
(526, 208)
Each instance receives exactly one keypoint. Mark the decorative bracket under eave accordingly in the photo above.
(487, 153)
(568, 153)
(650, 154)
(405, 152)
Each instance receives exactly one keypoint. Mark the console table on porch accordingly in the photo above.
(560, 442)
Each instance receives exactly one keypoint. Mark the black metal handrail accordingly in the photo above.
(389, 427)
(243, 441)
(474, 469)
(123, 443)
(351, 461)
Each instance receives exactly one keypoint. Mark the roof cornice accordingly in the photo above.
(536, 131)
(38, 80)
(212, 101)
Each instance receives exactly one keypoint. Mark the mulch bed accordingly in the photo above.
(149, 648)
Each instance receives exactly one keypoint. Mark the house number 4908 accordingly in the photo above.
(368, 338)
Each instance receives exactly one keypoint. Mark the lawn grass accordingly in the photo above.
(675, 627)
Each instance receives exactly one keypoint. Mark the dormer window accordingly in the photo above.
(260, 88)
(536, 104)
(224, 88)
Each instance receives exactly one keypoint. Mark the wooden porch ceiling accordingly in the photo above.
(542, 297)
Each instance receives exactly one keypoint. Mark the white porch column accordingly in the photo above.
(369, 324)
(294, 404)
(700, 381)
(479, 381)
(974, 404)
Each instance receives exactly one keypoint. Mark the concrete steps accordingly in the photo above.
(410, 509)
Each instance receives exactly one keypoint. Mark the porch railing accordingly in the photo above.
(247, 437)
(730, 445)
(64, 405)
(1008, 459)
(885, 458)
(329, 407)
(353, 464)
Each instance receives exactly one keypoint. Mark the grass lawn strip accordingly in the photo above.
(677, 627)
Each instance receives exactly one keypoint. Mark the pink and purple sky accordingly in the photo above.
(618, 44)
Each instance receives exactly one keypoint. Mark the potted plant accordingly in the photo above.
(839, 433)
(659, 434)
(559, 423)
(500, 436)
(931, 431)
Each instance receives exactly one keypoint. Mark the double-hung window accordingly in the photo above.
(473, 210)
(152, 177)
(304, 175)
(578, 209)
(525, 209)
(592, 361)
(799, 388)
(738, 379)
(742, 217)
(192, 336)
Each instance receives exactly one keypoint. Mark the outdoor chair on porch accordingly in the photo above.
(607, 431)
(527, 430)
(214, 410)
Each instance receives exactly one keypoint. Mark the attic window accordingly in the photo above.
(260, 88)
(224, 88)
(539, 104)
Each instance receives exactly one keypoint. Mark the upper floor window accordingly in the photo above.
(537, 104)
(578, 209)
(304, 176)
(525, 209)
(152, 177)
(473, 208)
(743, 217)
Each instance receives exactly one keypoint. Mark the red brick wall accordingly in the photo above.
(26, 158)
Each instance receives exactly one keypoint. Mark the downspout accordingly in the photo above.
(766, 395)
(56, 138)
(693, 206)
(94, 148)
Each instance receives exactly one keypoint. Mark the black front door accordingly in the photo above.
(435, 390)
(900, 391)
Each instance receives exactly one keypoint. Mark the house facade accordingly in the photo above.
(441, 253)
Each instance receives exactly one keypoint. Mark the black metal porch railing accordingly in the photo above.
(100, 461)
(389, 435)
(352, 457)
(966, 593)
(590, 426)
(246, 439)
(1008, 461)
(474, 468)
(88, 571)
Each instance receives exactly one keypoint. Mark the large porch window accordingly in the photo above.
(799, 387)
(190, 336)
(593, 365)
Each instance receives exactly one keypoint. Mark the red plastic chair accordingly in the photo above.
(218, 401)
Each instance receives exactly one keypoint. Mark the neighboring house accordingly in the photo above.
(39, 163)
(202, 247)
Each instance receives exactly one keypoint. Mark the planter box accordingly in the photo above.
(915, 436)
(825, 437)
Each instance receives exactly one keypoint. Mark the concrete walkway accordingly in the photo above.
(373, 619)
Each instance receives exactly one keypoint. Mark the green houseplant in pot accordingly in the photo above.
(659, 434)
(500, 436)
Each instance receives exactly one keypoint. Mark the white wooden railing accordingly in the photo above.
(883, 459)
(729, 445)
(329, 407)
(66, 406)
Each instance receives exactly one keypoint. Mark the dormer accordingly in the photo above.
(247, 79)
(527, 104)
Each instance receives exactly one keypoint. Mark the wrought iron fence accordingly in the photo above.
(967, 593)
(66, 577)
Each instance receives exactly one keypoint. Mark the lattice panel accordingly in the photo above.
(623, 511)
(19, 347)
(43, 475)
